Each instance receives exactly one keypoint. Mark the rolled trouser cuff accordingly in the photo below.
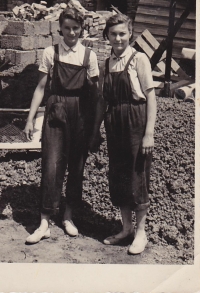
(49, 211)
(141, 207)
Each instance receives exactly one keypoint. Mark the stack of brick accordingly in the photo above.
(94, 23)
(23, 42)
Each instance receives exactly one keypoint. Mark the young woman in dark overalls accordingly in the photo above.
(129, 121)
(66, 135)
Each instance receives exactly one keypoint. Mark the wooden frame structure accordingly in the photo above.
(36, 141)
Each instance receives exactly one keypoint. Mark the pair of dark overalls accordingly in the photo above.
(125, 122)
(65, 134)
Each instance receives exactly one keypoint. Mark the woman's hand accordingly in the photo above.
(28, 130)
(147, 144)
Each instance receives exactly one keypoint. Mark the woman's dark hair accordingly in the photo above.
(71, 13)
(117, 19)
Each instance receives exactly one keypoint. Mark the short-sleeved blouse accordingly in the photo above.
(72, 55)
(139, 71)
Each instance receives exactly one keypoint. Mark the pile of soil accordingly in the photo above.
(170, 221)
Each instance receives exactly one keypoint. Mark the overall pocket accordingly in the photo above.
(57, 113)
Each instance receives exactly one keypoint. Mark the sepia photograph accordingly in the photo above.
(98, 111)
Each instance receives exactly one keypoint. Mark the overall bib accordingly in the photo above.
(125, 123)
(65, 134)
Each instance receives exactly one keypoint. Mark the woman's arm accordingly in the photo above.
(36, 101)
(98, 110)
(148, 139)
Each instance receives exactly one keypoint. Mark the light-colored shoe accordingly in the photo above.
(38, 235)
(70, 228)
(113, 240)
(138, 246)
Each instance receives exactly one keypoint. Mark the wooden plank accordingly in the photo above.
(162, 31)
(157, 20)
(177, 41)
(180, 84)
(157, 75)
(158, 84)
(149, 51)
(177, 47)
(41, 109)
(162, 3)
(149, 10)
(155, 44)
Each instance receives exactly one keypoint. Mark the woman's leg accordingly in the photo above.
(44, 224)
(140, 222)
(140, 240)
(42, 232)
(127, 228)
(74, 190)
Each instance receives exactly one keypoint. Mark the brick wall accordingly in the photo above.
(23, 44)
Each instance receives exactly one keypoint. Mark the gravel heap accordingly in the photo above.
(170, 218)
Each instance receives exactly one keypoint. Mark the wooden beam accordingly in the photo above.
(155, 44)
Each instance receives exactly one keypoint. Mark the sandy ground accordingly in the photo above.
(61, 248)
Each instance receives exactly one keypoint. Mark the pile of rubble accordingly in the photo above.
(41, 11)
(94, 23)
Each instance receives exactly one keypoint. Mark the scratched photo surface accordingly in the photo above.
(166, 32)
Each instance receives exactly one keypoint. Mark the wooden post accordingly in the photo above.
(169, 49)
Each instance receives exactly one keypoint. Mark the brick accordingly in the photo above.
(101, 26)
(3, 26)
(42, 27)
(2, 18)
(17, 42)
(10, 54)
(25, 57)
(102, 21)
(56, 39)
(54, 27)
(90, 21)
(93, 32)
(19, 28)
(39, 54)
(43, 42)
(20, 57)
(95, 24)
(102, 50)
(94, 49)
(2, 52)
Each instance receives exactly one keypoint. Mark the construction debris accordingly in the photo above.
(94, 23)
(42, 12)
(186, 93)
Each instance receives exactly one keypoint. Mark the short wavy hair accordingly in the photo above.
(117, 19)
(71, 13)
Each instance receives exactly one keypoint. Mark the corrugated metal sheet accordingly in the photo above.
(154, 16)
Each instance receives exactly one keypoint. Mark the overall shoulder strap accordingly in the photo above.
(86, 57)
(129, 60)
(107, 65)
(56, 52)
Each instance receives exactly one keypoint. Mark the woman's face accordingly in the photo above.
(119, 36)
(71, 31)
